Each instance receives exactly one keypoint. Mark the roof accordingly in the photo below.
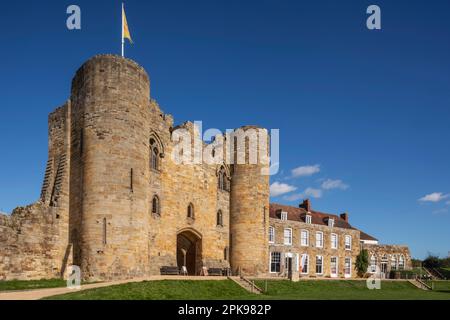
(299, 214)
(365, 236)
(318, 218)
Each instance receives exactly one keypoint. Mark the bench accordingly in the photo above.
(170, 271)
(215, 272)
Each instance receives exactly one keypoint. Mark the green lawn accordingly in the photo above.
(282, 290)
(443, 286)
(164, 290)
(17, 285)
(348, 290)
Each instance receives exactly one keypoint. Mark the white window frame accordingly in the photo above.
(334, 245)
(306, 257)
(394, 263)
(334, 275)
(317, 239)
(271, 234)
(373, 261)
(290, 237)
(283, 216)
(401, 262)
(348, 244)
(308, 219)
(349, 274)
(321, 265)
(307, 238)
(270, 262)
(331, 222)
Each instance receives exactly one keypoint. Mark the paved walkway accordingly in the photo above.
(45, 293)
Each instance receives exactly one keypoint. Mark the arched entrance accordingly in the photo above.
(189, 251)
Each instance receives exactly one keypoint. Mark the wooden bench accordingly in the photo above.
(215, 272)
(170, 271)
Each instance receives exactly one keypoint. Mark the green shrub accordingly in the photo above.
(362, 263)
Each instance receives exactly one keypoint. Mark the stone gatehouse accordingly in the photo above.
(115, 203)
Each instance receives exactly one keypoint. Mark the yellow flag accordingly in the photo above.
(126, 31)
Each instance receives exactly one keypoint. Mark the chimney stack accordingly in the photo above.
(306, 205)
(344, 216)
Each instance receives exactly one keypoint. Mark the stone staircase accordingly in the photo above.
(51, 188)
(46, 186)
(420, 284)
(246, 284)
(58, 180)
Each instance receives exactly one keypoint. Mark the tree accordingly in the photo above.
(432, 261)
(362, 263)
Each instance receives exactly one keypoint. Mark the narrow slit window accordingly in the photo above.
(105, 231)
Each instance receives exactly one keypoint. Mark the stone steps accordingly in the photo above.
(47, 178)
(420, 284)
(246, 284)
(60, 172)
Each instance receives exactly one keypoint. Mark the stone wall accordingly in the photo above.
(29, 244)
(249, 209)
(34, 241)
(389, 255)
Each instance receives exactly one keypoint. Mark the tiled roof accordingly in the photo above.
(365, 236)
(319, 218)
(299, 214)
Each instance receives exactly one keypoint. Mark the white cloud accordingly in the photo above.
(434, 197)
(294, 197)
(278, 189)
(305, 171)
(314, 193)
(334, 184)
(440, 211)
(308, 193)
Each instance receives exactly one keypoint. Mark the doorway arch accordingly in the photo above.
(189, 251)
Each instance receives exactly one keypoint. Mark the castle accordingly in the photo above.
(115, 203)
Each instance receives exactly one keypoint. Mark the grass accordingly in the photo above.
(164, 290)
(348, 290)
(439, 285)
(17, 285)
(277, 290)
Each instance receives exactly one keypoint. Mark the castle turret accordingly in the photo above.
(109, 157)
(249, 207)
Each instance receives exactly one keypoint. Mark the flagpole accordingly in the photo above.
(123, 40)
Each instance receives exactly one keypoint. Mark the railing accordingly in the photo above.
(252, 284)
(425, 285)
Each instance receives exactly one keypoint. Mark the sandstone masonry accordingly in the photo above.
(115, 203)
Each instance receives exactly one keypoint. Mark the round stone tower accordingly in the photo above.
(109, 168)
(249, 207)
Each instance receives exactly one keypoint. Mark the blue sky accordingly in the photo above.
(363, 114)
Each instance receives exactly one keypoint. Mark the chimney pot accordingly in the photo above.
(306, 205)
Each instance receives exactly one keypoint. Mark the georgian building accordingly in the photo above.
(322, 245)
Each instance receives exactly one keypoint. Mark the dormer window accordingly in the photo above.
(283, 216)
(308, 219)
(331, 223)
